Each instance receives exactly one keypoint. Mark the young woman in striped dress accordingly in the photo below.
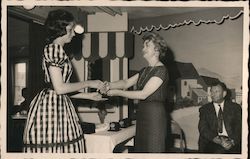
(52, 124)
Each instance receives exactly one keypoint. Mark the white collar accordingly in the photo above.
(216, 105)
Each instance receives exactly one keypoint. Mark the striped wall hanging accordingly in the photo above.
(109, 45)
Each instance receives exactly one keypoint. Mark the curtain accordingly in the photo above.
(37, 42)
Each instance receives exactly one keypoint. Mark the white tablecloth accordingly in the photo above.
(105, 141)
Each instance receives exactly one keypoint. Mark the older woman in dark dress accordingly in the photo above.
(151, 82)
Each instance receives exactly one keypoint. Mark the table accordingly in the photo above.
(106, 141)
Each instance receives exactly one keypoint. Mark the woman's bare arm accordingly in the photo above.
(63, 88)
(151, 86)
(124, 84)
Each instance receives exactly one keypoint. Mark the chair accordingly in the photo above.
(177, 135)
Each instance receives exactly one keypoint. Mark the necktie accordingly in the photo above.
(220, 120)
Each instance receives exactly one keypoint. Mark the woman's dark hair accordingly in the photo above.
(159, 42)
(56, 24)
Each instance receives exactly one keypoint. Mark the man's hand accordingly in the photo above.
(227, 143)
(217, 140)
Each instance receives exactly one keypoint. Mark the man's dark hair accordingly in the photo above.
(223, 85)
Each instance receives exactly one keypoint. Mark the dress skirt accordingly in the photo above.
(53, 125)
(151, 127)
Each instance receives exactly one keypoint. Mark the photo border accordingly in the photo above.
(3, 107)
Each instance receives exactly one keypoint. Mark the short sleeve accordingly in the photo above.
(54, 55)
(162, 73)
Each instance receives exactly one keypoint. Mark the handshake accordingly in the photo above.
(104, 88)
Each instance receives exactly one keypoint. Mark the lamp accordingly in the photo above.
(81, 21)
(78, 29)
(28, 7)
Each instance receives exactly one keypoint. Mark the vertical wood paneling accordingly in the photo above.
(120, 42)
(86, 45)
(103, 44)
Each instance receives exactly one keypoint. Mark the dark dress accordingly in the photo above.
(151, 117)
(53, 124)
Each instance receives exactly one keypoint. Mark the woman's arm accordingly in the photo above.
(63, 88)
(151, 86)
(124, 84)
(92, 96)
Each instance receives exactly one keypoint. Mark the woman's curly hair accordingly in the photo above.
(159, 42)
(56, 24)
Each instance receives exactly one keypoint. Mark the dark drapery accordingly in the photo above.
(37, 42)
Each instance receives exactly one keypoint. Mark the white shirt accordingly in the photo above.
(217, 108)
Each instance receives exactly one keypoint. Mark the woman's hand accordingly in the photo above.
(105, 88)
(107, 85)
(95, 84)
(96, 96)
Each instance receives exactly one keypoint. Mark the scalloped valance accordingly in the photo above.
(207, 16)
(110, 45)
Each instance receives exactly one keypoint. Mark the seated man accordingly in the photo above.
(220, 123)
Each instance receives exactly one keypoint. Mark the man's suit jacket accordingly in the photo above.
(208, 123)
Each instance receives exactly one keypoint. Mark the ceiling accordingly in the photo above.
(137, 12)
(147, 12)
(17, 28)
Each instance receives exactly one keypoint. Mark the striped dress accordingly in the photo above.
(52, 124)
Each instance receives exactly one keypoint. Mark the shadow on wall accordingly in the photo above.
(170, 63)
